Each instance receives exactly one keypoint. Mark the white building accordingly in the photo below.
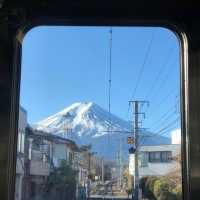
(176, 136)
(22, 124)
(158, 160)
(45, 153)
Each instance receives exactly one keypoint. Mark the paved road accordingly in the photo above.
(107, 197)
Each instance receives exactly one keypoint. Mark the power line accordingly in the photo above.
(163, 130)
(155, 124)
(127, 112)
(166, 97)
(160, 134)
(143, 65)
(163, 100)
(166, 127)
(109, 84)
(164, 80)
(110, 75)
(162, 116)
(159, 72)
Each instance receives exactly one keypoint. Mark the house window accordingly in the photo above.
(166, 156)
(21, 140)
(70, 157)
(144, 159)
(160, 156)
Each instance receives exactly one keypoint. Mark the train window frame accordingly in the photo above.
(183, 42)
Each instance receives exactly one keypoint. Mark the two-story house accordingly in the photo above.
(45, 153)
(158, 160)
(22, 124)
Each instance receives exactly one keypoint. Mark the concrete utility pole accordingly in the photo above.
(90, 154)
(120, 164)
(102, 170)
(136, 113)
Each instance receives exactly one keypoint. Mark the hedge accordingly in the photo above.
(160, 188)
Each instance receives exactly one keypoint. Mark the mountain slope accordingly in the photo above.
(83, 119)
(87, 123)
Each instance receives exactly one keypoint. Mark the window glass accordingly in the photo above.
(166, 156)
(99, 114)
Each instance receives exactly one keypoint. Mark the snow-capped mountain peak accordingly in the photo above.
(87, 123)
(85, 118)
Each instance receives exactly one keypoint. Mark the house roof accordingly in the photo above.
(51, 137)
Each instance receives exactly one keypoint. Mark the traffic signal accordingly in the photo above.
(132, 150)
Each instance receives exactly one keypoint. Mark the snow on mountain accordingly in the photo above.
(87, 123)
(84, 119)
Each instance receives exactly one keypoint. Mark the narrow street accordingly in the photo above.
(108, 197)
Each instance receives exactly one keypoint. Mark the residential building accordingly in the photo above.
(22, 124)
(176, 136)
(158, 160)
(45, 153)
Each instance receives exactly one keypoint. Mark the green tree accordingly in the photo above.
(62, 182)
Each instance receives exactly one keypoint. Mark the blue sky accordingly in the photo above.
(63, 65)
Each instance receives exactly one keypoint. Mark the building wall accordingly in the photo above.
(175, 148)
(62, 152)
(18, 187)
(22, 124)
(176, 136)
(158, 168)
(20, 165)
(59, 153)
(39, 168)
(154, 168)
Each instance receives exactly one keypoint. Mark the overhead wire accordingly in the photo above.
(161, 102)
(166, 119)
(162, 131)
(168, 115)
(143, 65)
(172, 109)
(110, 84)
(162, 83)
(160, 86)
(162, 117)
(163, 66)
(167, 126)
(164, 80)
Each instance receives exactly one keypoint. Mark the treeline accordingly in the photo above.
(161, 188)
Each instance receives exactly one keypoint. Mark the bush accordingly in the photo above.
(61, 182)
(178, 191)
(148, 188)
(161, 187)
(156, 188)
(151, 184)
(166, 195)
(143, 182)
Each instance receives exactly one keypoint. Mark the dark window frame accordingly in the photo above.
(154, 159)
(17, 19)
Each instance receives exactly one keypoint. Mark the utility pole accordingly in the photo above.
(102, 170)
(120, 164)
(90, 154)
(136, 113)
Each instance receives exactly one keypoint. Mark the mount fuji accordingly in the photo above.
(88, 123)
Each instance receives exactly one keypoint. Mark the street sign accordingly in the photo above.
(130, 140)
